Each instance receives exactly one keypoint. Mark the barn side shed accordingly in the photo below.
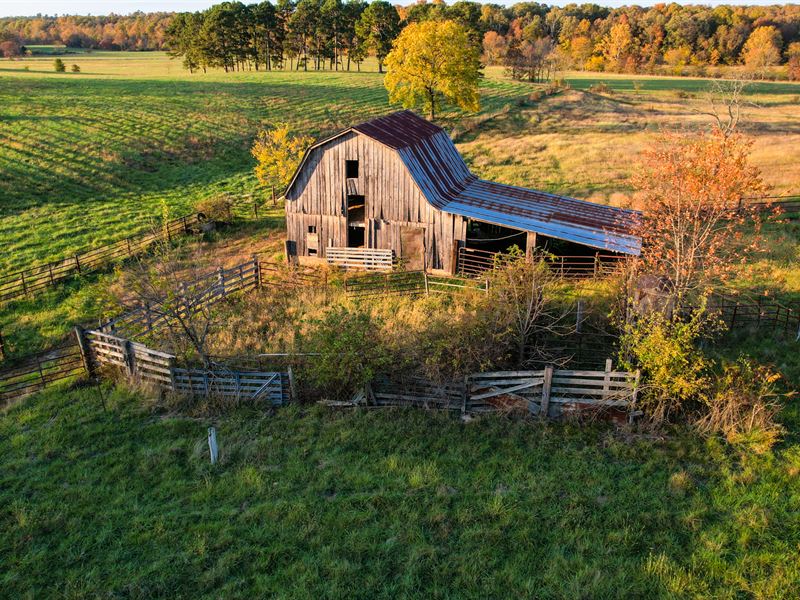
(397, 182)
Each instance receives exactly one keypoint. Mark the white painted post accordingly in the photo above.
(212, 445)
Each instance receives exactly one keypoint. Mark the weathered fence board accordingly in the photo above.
(370, 259)
(473, 262)
(550, 392)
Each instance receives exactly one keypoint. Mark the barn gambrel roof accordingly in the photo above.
(444, 179)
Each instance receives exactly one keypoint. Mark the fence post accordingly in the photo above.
(127, 351)
(2, 347)
(579, 316)
(172, 377)
(77, 263)
(425, 277)
(185, 225)
(596, 264)
(221, 280)
(544, 409)
(83, 346)
(24, 286)
(274, 202)
(607, 378)
(257, 271)
(465, 396)
(50, 268)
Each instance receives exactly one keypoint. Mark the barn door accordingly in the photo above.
(412, 247)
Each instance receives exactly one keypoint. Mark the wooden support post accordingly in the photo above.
(544, 409)
(221, 280)
(530, 245)
(24, 286)
(130, 365)
(85, 349)
(579, 316)
(77, 263)
(2, 348)
(465, 396)
(274, 201)
(255, 208)
(185, 225)
(596, 269)
(257, 271)
(454, 258)
(425, 277)
(286, 246)
(172, 379)
(607, 378)
(50, 269)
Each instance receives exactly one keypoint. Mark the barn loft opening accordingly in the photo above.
(493, 238)
(351, 169)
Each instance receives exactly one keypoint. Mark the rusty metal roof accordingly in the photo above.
(447, 183)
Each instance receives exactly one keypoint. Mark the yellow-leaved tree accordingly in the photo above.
(434, 62)
(278, 153)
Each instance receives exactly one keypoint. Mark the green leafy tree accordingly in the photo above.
(378, 26)
(431, 63)
(59, 65)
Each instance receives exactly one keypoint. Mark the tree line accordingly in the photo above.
(531, 39)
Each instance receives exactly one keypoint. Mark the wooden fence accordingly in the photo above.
(407, 283)
(473, 262)
(29, 282)
(370, 259)
(141, 364)
(40, 370)
(548, 392)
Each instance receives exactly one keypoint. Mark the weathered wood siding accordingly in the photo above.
(393, 201)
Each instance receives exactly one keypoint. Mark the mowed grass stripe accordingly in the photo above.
(87, 159)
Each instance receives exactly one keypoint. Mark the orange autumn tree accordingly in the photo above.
(689, 186)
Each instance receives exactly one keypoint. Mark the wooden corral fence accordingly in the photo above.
(370, 259)
(40, 370)
(473, 262)
(141, 364)
(407, 283)
(29, 282)
(548, 392)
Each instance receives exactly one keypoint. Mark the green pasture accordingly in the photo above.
(381, 504)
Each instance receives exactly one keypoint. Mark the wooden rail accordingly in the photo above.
(370, 259)
(31, 281)
(141, 364)
(548, 392)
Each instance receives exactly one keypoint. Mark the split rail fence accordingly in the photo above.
(29, 282)
(548, 392)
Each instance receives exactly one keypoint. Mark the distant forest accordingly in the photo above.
(529, 38)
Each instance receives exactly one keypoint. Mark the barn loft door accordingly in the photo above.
(412, 247)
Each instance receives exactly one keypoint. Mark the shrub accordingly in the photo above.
(75, 69)
(743, 404)
(216, 208)
(601, 88)
(674, 371)
(350, 352)
(59, 65)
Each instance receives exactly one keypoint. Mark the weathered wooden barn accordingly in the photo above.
(397, 182)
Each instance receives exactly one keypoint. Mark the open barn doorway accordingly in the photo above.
(356, 224)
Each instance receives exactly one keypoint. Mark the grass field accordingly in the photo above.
(133, 131)
(384, 504)
(371, 504)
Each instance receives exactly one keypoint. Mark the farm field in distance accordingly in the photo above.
(134, 133)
